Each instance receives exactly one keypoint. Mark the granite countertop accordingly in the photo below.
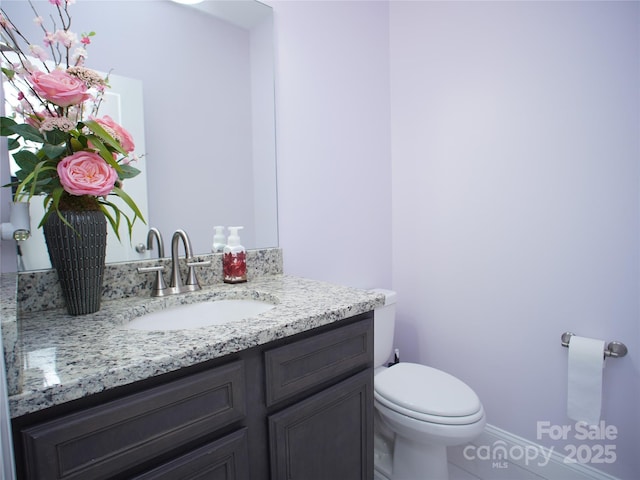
(53, 358)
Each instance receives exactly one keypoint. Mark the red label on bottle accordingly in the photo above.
(234, 267)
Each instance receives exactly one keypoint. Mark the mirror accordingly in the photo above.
(208, 94)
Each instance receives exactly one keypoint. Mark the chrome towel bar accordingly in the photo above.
(614, 349)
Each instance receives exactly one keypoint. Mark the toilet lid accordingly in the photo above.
(426, 390)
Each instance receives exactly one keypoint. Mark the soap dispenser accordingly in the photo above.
(234, 260)
(218, 240)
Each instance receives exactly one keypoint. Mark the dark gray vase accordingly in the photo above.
(78, 255)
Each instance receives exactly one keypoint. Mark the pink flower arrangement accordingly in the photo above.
(65, 150)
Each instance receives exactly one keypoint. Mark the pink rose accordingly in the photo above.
(86, 173)
(59, 87)
(120, 134)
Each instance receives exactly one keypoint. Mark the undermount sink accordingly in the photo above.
(197, 315)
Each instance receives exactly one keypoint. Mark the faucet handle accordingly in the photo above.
(192, 281)
(159, 288)
(203, 263)
(158, 268)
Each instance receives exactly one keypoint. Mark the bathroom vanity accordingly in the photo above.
(288, 394)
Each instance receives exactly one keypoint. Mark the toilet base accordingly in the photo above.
(382, 449)
(412, 460)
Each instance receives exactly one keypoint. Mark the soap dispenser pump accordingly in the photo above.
(218, 240)
(234, 260)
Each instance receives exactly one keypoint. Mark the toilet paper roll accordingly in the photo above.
(586, 361)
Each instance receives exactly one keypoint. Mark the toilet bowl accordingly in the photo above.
(420, 410)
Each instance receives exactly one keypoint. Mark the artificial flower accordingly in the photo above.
(116, 131)
(86, 173)
(59, 88)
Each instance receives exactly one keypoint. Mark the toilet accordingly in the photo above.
(419, 410)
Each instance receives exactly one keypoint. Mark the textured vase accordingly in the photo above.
(78, 255)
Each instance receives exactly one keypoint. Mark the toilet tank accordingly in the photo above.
(384, 319)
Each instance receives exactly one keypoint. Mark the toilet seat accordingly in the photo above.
(427, 394)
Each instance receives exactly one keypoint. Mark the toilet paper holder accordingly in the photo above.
(614, 349)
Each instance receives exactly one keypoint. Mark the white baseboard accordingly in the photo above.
(498, 454)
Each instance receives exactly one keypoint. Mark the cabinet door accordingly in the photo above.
(327, 436)
(224, 459)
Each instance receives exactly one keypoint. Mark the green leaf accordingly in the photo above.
(105, 153)
(127, 171)
(115, 222)
(12, 184)
(34, 189)
(32, 181)
(26, 160)
(21, 175)
(83, 141)
(97, 129)
(130, 203)
(28, 132)
(56, 137)
(51, 204)
(54, 151)
(5, 126)
(13, 144)
(9, 73)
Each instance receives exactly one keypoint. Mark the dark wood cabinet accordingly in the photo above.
(106, 440)
(327, 436)
(311, 362)
(300, 408)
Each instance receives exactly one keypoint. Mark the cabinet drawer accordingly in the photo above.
(224, 459)
(111, 438)
(301, 365)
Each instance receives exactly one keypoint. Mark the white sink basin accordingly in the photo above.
(196, 315)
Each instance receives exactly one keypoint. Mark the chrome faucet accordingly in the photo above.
(191, 284)
(160, 288)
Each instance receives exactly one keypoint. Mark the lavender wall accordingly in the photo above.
(515, 201)
(515, 185)
(332, 104)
